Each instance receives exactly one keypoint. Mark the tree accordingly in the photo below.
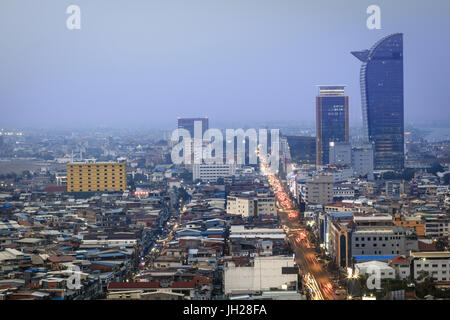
(182, 194)
(186, 176)
(27, 174)
(422, 275)
(426, 286)
(395, 284)
(441, 244)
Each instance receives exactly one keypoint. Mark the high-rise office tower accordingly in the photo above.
(331, 120)
(382, 100)
(188, 124)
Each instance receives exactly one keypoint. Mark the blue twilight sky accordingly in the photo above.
(145, 62)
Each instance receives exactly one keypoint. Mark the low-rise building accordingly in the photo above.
(319, 190)
(265, 274)
(402, 266)
(414, 223)
(243, 232)
(251, 205)
(212, 172)
(436, 264)
(379, 268)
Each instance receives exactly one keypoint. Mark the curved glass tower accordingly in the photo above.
(382, 100)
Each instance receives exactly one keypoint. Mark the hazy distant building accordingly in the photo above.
(331, 120)
(96, 176)
(382, 100)
(188, 124)
(359, 158)
(340, 153)
(362, 160)
(302, 149)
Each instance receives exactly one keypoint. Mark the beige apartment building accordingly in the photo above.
(320, 190)
(249, 206)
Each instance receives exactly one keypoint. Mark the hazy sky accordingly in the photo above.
(145, 62)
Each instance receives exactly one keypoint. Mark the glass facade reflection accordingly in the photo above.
(331, 120)
(382, 100)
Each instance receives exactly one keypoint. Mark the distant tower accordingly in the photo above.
(382, 101)
(188, 124)
(331, 120)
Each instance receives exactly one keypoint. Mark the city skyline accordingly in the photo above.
(224, 155)
(265, 72)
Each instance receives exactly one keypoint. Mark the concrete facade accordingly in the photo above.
(266, 273)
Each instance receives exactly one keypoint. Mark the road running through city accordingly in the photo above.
(316, 279)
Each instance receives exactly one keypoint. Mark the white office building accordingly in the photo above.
(375, 235)
(375, 268)
(340, 153)
(362, 160)
(212, 172)
(436, 264)
(265, 274)
(243, 232)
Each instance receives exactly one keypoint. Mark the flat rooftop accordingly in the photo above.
(373, 218)
(375, 231)
(434, 254)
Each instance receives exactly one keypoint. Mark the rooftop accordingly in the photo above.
(432, 254)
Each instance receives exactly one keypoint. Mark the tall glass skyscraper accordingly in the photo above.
(382, 100)
(331, 120)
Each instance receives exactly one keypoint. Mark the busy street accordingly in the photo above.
(315, 278)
